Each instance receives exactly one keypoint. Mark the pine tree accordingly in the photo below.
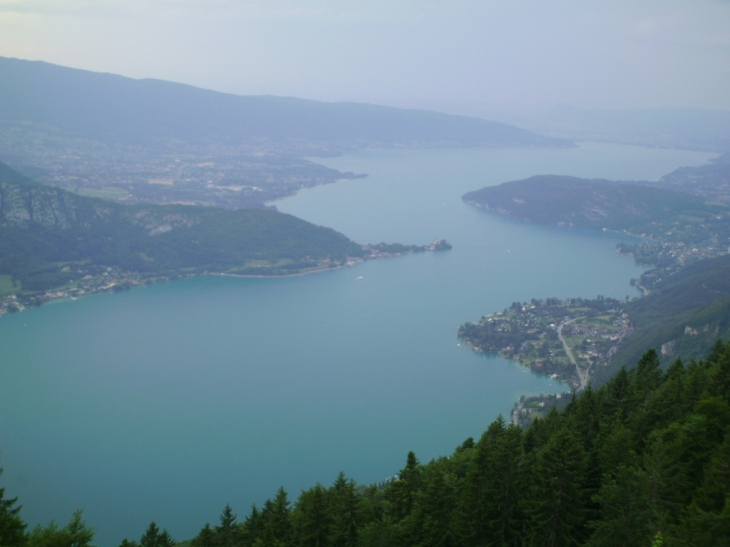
(153, 537)
(74, 534)
(430, 522)
(12, 527)
(312, 518)
(149, 538)
(165, 539)
(347, 513)
(402, 494)
(556, 505)
(253, 527)
(618, 396)
(205, 538)
(488, 512)
(721, 379)
(226, 533)
(277, 528)
(615, 446)
(626, 516)
(506, 469)
(647, 376)
(706, 522)
(80, 534)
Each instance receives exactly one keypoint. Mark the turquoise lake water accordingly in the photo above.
(166, 403)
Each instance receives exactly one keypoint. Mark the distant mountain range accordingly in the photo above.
(151, 141)
(110, 108)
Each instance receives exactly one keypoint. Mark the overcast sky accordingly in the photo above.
(464, 56)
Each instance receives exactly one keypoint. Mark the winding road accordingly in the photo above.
(583, 378)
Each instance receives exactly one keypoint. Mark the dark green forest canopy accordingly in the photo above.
(644, 460)
(50, 237)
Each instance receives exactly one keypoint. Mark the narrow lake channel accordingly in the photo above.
(166, 403)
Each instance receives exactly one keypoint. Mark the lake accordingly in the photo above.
(167, 402)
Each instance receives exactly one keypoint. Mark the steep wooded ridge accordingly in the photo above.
(682, 317)
(112, 108)
(644, 460)
(50, 237)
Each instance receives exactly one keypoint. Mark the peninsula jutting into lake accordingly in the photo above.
(686, 234)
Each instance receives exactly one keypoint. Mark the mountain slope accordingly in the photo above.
(112, 108)
(556, 199)
(682, 318)
(50, 237)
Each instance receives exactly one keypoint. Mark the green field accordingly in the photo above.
(6, 284)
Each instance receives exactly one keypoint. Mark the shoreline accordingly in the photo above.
(56, 295)
(117, 281)
(122, 281)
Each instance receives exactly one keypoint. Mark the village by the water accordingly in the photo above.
(564, 339)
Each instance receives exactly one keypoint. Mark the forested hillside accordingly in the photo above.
(642, 461)
(50, 237)
(683, 316)
(595, 203)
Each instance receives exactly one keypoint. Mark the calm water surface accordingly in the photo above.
(166, 403)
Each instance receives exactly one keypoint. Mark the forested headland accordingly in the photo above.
(643, 460)
(684, 220)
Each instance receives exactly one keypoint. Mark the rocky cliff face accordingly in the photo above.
(49, 207)
(54, 208)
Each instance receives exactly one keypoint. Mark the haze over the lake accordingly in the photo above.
(470, 57)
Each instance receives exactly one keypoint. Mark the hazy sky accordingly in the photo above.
(453, 55)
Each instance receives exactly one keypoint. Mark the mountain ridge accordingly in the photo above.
(89, 103)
